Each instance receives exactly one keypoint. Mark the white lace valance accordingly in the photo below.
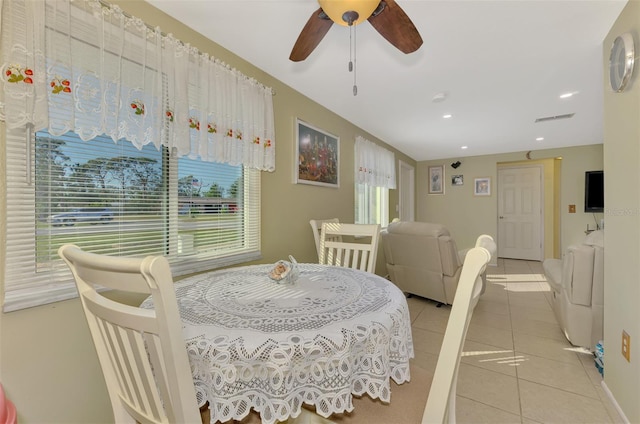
(83, 67)
(375, 166)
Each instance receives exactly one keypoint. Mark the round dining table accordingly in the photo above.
(327, 335)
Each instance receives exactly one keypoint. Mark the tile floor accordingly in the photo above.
(517, 366)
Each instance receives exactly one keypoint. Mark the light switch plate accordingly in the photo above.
(626, 346)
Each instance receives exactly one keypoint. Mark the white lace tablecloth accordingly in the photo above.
(256, 344)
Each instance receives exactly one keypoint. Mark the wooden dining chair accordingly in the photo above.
(141, 351)
(316, 227)
(349, 245)
(441, 403)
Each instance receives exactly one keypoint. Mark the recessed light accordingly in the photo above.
(440, 97)
(539, 138)
(464, 147)
(447, 116)
(566, 95)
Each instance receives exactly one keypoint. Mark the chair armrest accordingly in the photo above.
(553, 272)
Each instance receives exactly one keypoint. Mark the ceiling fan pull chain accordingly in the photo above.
(350, 17)
(355, 87)
(350, 48)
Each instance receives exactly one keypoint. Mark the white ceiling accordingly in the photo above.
(502, 64)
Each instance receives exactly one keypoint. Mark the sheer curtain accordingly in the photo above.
(374, 165)
(89, 68)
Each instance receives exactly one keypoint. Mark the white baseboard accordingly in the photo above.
(614, 402)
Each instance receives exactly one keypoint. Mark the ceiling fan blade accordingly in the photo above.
(313, 32)
(396, 27)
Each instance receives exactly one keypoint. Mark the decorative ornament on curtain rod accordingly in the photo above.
(128, 81)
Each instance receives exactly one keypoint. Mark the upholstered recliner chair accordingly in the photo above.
(577, 283)
(422, 259)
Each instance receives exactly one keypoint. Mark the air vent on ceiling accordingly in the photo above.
(554, 118)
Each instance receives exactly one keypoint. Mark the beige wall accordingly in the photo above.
(48, 365)
(467, 216)
(622, 227)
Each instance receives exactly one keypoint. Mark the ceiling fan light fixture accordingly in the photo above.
(343, 11)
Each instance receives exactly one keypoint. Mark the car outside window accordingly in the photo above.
(82, 215)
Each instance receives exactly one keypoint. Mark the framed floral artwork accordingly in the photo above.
(436, 179)
(318, 156)
(482, 186)
(457, 180)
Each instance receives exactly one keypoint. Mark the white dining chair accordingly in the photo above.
(441, 403)
(141, 351)
(316, 227)
(349, 245)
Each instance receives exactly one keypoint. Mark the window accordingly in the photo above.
(372, 205)
(375, 174)
(112, 198)
(168, 105)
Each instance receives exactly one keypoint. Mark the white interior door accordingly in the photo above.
(406, 190)
(520, 213)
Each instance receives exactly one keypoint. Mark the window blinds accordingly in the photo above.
(114, 199)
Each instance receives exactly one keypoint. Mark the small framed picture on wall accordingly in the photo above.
(482, 186)
(436, 179)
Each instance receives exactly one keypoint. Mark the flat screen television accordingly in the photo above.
(594, 191)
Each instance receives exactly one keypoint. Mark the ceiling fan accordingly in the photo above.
(384, 15)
